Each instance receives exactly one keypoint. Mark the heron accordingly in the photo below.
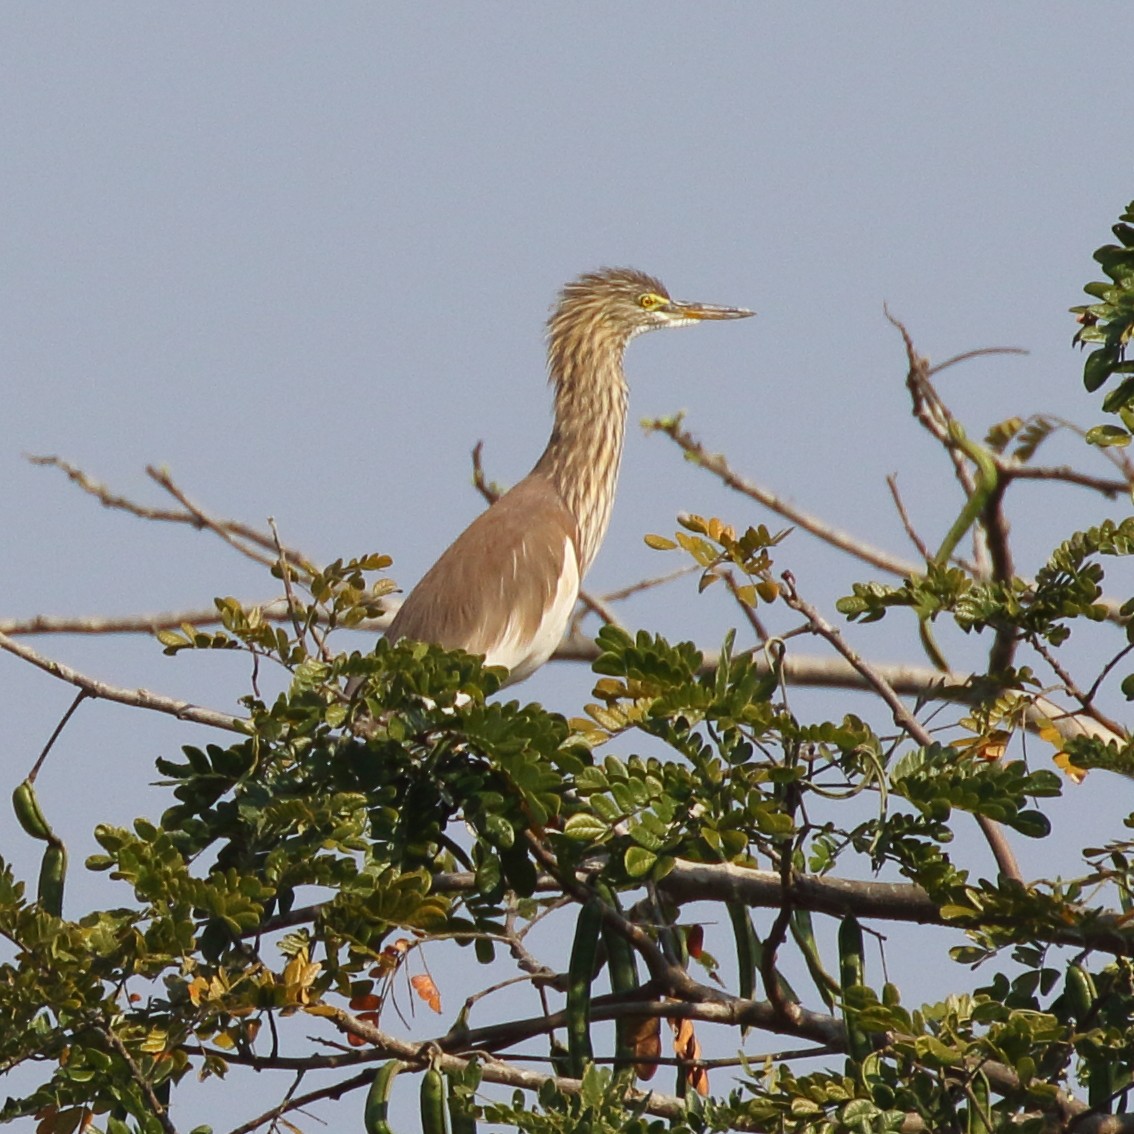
(505, 588)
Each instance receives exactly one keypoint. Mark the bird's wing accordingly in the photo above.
(505, 587)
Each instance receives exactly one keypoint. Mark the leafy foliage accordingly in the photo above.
(388, 810)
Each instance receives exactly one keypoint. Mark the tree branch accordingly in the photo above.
(720, 468)
(137, 698)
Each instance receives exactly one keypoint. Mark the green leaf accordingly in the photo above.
(586, 828)
(1105, 436)
(639, 861)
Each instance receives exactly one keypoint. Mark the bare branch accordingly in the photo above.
(137, 698)
(1111, 489)
(80, 697)
(903, 515)
(292, 1102)
(194, 518)
(204, 521)
(720, 468)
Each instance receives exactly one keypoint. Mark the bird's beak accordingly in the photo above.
(707, 311)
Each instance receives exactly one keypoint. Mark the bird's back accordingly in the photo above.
(505, 587)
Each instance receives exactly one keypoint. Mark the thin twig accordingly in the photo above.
(1111, 489)
(298, 1102)
(121, 503)
(716, 464)
(1072, 688)
(204, 520)
(79, 698)
(964, 356)
(144, 1085)
(1002, 652)
(903, 515)
(646, 584)
(137, 698)
(273, 610)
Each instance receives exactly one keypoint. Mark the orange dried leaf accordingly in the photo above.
(688, 1050)
(993, 746)
(698, 1078)
(425, 988)
(366, 1003)
(695, 940)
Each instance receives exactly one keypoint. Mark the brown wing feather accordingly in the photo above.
(505, 565)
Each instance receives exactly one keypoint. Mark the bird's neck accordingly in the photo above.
(585, 449)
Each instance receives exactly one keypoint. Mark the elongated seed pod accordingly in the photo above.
(623, 969)
(579, 978)
(852, 970)
(376, 1113)
(28, 812)
(744, 934)
(1081, 992)
(1082, 999)
(979, 1103)
(52, 873)
(432, 1102)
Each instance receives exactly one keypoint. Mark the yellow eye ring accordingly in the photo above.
(649, 301)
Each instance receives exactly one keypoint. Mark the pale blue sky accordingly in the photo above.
(302, 254)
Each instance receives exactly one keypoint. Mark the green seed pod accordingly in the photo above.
(375, 1116)
(28, 812)
(432, 1102)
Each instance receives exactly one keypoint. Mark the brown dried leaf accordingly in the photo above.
(645, 1035)
(688, 1050)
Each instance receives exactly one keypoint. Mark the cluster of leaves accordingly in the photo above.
(1108, 326)
(1067, 587)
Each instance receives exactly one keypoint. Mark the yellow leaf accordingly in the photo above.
(660, 543)
(1073, 772)
(768, 590)
(198, 986)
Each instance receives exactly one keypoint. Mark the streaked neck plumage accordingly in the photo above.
(584, 357)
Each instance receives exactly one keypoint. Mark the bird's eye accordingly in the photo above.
(649, 301)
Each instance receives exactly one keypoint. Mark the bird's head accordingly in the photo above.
(619, 303)
(599, 313)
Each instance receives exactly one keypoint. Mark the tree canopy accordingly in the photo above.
(694, 881)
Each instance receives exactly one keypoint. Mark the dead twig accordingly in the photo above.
(195, 519)
(716, 464)
(137, 698)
